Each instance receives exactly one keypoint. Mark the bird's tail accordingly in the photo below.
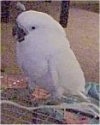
(84, 100)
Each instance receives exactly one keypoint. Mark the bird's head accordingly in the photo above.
(31, 21)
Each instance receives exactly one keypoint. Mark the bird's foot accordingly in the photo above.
(40, 94)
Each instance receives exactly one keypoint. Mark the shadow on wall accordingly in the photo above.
(87, 5)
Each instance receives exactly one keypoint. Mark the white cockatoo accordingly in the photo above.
(44, 54)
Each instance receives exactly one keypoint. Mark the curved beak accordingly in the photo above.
(18, 33)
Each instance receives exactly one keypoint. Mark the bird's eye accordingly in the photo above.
(33, 27)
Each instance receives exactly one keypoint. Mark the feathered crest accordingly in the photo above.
(20, 6)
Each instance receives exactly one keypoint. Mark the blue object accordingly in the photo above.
(92, 90)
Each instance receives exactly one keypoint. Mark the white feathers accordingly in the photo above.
(46, 57)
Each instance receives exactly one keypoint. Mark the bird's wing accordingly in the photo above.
(70, 73)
